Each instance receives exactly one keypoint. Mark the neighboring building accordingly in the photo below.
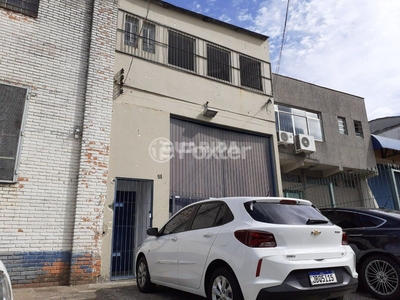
(56, 70)
(386, 142)
(194, 120)
(325, 147)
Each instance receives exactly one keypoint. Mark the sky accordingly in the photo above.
(352, 46)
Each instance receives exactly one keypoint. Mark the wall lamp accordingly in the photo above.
(209, 112)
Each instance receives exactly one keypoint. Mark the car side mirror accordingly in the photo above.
(152, 231)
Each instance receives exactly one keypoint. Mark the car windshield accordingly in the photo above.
(284, 213)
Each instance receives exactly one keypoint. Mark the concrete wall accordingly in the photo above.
(50, 218)
(337, 150)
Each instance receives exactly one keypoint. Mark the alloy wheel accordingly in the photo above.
(381, 277)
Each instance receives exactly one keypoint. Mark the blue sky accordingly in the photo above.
(351, 46)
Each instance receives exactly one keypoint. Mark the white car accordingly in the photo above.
(249, 248)
(5, 284)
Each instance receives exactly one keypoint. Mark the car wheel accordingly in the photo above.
(143, 281)
(224, 286)
(380, 276)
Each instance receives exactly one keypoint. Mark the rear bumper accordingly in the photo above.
(297, 286)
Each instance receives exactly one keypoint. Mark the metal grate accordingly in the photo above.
(27, 7)
(132, 217)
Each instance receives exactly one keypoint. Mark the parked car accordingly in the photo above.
(249, 248)
(374, 235)
(5, 284)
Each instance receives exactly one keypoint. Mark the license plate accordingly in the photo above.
(322, 277)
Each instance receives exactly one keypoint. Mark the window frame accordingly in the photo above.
(342, 126)
(358, 129)
(131, 37)
(149, 37)
(31, 6)
(217, 62)
(250, 77)
(294, 113)
(24, 107)
(175, 57)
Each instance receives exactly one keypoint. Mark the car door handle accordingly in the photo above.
(208, 235)
(355, 235)
(174, 239)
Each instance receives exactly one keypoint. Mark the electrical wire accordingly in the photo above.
(278, 64)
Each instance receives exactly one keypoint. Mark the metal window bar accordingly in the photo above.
(187, 57)
(218, 62)
(26, 7)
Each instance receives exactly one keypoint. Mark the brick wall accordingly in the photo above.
(50, 218)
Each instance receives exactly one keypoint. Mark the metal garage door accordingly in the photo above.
(215, 162)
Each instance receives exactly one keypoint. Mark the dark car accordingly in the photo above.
(374, 235)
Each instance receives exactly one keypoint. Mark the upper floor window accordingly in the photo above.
(218, 63)
(342, 125)
(250, 72)
(358, 129)
(298, 121)
(12, 103)
(149, 37)
(26, 7)
(131, 31)
(181, 50)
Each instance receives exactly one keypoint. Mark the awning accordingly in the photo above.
(390, 147)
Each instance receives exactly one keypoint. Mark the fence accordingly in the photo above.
(377, 187)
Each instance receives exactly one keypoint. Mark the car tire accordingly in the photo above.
(380, 276)
(223, 285)
(143, 281)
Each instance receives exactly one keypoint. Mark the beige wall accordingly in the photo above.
(154, 92)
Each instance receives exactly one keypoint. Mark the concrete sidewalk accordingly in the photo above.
(117, 290)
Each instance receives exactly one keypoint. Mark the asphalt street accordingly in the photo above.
(117, 290)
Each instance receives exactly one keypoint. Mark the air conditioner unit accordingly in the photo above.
(285, 138)
(304, 144)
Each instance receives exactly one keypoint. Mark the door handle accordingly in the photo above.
(174, 239)
(208, 235)
(355, 235)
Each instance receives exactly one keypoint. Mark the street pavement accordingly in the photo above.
(117, 290)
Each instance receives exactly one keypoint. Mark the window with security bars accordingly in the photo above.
(250, 72)
(342, 125)
(26, 7)
(149, 37)
(218, 63)
(131, 31)
(12, 104)
(358, 129)
(181, 50)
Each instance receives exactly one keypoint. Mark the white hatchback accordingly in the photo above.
(249, 248)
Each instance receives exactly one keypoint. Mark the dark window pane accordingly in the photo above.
(12, 103)
(250, 73)
(206, 215)
(180, 222)
(358, 129)
(181, 50)
(218, 63)
(27, 7)
(281, 213)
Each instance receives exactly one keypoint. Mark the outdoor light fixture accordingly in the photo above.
(208, 112)
(77, 131)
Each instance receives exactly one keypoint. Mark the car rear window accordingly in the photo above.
(284, 213)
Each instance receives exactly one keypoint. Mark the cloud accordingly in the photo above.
(351, 46)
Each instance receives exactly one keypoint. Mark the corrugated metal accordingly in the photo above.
(200, 170)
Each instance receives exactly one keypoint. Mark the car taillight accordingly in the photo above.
(256, 238)
(345, 241)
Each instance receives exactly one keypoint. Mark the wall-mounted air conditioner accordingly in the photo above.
(285, 138)
(304, 143)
